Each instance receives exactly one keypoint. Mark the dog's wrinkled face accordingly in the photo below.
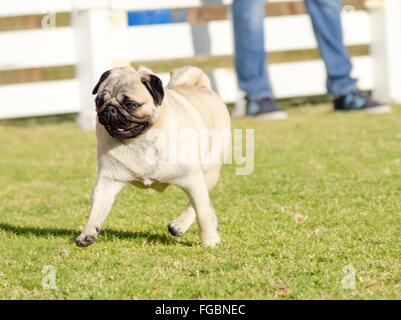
(127, 101)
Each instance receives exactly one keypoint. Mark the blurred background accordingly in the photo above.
(54, 51)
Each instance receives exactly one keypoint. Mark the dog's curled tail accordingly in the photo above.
(189, 76)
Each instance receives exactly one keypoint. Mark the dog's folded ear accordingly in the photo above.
(103, 77)
(155, 87)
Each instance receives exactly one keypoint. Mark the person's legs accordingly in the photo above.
(250, 59)
(250, 55)
(326, 21)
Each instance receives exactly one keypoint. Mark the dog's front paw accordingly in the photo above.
(84, 240)
(210, 239)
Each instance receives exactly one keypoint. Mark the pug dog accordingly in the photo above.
(137, 124)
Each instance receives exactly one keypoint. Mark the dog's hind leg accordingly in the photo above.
(181, 225)
(198, 194)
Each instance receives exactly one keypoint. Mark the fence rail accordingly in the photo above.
(54, 51)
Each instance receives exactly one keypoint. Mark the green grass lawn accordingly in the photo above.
(325, 193)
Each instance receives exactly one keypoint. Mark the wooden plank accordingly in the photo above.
(29, 7)
(153, 42)
(41, 98)
(37, 74)
(37, 48)
(205, 14)
(62, 19)
(222, 12)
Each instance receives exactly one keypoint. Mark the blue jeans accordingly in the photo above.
(250, 55)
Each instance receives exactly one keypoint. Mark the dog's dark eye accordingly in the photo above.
(99, 102)
(132, 105)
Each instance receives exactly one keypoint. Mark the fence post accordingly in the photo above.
(92, 31)
(386, 48)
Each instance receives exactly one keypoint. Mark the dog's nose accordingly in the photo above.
(107, 116)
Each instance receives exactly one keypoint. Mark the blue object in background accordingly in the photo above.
(155, 17)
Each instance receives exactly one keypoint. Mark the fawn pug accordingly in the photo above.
(133, 108)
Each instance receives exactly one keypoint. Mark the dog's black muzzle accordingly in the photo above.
(118, 125)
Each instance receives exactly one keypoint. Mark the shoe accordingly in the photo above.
(359, 101)
(265, 109)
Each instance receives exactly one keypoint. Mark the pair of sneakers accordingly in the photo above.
(354, 101)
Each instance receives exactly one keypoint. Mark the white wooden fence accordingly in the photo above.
(99, 38)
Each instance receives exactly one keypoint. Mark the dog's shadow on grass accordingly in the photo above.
(105, 235)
